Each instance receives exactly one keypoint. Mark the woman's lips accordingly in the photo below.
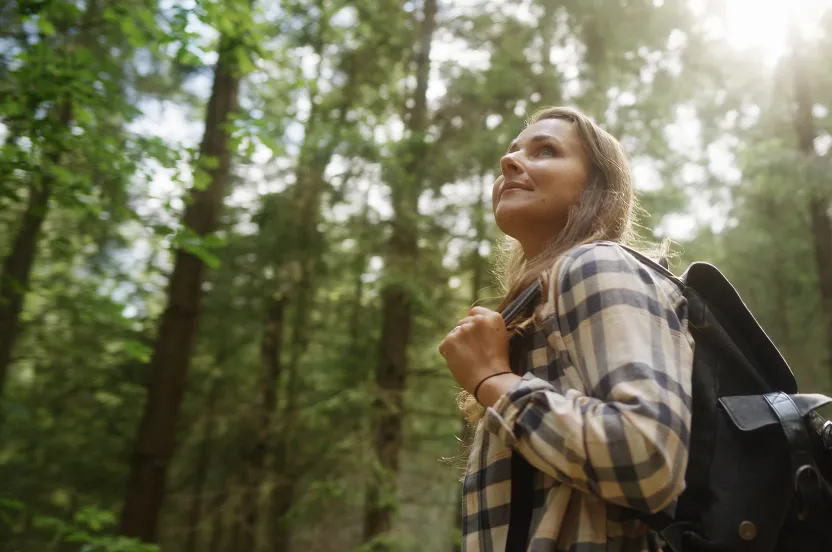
(514, 185)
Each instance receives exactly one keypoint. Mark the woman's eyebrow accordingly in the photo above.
(534, 139)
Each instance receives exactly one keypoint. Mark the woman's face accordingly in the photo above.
(543, 174)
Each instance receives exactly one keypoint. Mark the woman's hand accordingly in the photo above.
(477, 348)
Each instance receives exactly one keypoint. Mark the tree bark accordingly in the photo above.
(358, 268)
(217, 533)
(203, 461)
(172, 354)
(397, 313)
(283, 500)
(270, 353)
(285, 468)
(819, 203)
(310, 184)
(822, 238)
(17, 266)
(779, 279)
(309, 189)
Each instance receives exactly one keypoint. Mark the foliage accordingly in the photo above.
(88, 529)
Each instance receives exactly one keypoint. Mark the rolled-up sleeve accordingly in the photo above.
(625, 436)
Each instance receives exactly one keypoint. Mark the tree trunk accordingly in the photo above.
(283, 492)
(270, 353)
(821, 225)
(237, 527)
(285, 468)
(391, 371)
(17, 266)
(203, 461)
(779, 279)
(310, 187)
(822, 238)
(358, 268)
(219, 523)
(282, 502)
(172, 354)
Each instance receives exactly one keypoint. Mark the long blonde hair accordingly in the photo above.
(604, 211)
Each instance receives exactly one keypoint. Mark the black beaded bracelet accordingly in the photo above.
(477, 388)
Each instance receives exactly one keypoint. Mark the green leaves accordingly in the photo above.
(201, 179)
(208, 162)
(137, 350)
(45, 26)
(89, 527)
(203, 247)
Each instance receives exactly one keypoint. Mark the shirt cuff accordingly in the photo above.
(500, 418)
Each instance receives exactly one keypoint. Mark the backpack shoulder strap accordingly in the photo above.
(660, 267)
(523, 301)
(522, 473)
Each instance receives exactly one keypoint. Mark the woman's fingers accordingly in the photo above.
(477, 315)
(476, 347)
(492, 318)
(467, 320)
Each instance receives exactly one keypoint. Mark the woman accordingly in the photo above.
(599, 404)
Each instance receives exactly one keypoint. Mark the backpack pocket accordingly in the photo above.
(767, 487)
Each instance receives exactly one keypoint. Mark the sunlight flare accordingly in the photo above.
(762, 26)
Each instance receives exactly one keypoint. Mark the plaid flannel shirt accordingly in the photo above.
(602, 413)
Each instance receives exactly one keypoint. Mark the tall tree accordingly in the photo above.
(203, 461)
(358, 66)
(402, 252)
(17, 266)
(155, 442)
(820, 200)
(59, 70)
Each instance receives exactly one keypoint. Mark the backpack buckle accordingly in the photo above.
(806, 493)
(826, 435)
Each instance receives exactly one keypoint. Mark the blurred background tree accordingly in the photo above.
(232, 234)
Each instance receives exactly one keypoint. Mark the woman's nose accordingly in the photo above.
(509, 164)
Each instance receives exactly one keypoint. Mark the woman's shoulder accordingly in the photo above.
(608, 265)
(596, 251)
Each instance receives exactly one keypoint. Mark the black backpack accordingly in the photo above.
(760, 466)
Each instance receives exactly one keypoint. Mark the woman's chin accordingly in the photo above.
(511, 220)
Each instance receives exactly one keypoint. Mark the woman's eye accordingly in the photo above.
(546, 151)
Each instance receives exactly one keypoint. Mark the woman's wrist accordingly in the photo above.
(489, 391)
